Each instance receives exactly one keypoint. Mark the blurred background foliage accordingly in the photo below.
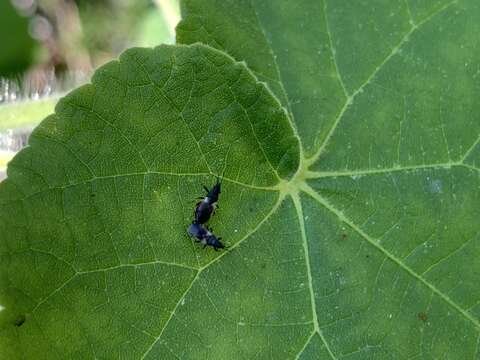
(67, 39)
(51, 46)
(17, 45)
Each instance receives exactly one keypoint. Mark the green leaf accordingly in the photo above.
(359, 241)
(93, 215)
(383, 96)
(16, 44)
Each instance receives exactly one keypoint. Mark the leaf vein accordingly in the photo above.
(250, 233)
(458, 249)
(309, 338)
(361, 172)
(291, 118)
(87, 181)
(308, 190)
(171, 316)
(332, 48)
(392, 53)
(247, 116)
(470, 149)
(298, 206)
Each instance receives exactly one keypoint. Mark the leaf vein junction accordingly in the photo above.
(298, 206)
(392, 53)
(170, 317)
(229, 250)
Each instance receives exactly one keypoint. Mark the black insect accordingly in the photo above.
(205, 236)
(206, 207)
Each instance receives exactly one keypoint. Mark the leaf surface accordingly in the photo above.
(95, 254)
(350, 205)
(383, 96)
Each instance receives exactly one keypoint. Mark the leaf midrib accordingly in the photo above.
(301, 219)
(363, 172)
(140, 173)
(324, 203)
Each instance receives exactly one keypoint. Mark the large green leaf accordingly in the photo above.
(93, 216)
(359, 241)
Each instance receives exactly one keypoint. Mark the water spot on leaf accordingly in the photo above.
(435, 186)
